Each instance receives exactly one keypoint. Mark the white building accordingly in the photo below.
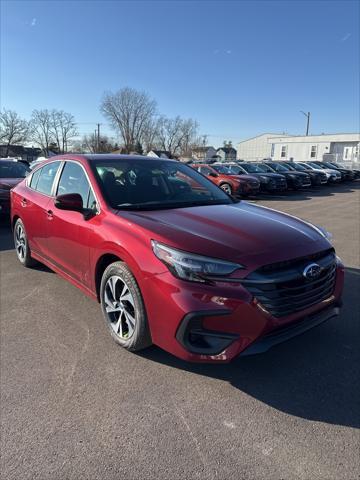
(337, 147)
(159, 154)
(203, 154)
(226, 154)
(256, 148)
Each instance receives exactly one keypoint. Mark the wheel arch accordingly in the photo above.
(102, 263)
(14, 220)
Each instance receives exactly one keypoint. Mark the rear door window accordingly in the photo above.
(34, 179)
(46, 178)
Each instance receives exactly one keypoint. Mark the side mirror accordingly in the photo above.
(213, 174)
(70, 201)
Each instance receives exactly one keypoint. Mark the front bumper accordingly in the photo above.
(203, 323)
(335, 179)
(274, 187)
(283, 334)
(248, 189)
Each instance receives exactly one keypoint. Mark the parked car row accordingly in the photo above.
(249, 178)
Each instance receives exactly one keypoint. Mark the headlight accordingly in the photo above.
(189, 266)
(265, 179)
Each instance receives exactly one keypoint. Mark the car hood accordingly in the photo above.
(330, 170)
(249, 234)
(247, 178)
(296, 173)
(268, 174)
(9, 183)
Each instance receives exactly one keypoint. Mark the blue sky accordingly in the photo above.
(240, 68)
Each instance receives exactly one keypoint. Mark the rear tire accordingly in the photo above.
(22, 248)
(123, 308)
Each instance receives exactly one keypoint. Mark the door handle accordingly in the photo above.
(49, 214)
(23, 202)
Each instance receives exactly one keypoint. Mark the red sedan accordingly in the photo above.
(237, 185)
(172, 259)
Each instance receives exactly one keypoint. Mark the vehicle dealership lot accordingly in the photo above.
(75, 405)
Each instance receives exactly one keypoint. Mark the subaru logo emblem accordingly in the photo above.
(312, 271)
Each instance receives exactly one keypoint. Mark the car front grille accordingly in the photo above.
(282, 289)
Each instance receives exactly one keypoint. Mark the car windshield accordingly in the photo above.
(315, 165)
(139, 184)
(251, 168)
(264, 168)
(236, 170)
(13, 169)
(279, 168)
(288, 166)
(221, 169)
(331, 165)
(297, 166)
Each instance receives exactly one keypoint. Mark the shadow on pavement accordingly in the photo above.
(314, 376)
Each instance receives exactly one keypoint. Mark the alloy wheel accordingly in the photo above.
(226, 188)
(120, 307)
(20, 242)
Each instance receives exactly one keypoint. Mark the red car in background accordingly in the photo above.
(11, 173)
(237, 185)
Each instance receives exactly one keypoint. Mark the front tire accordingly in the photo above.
(22, 245)
(227, 188)
(123, 308)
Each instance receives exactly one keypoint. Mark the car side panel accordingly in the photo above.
(31, 207)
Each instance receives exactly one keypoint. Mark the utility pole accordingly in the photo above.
(307, 115)
(98, 137)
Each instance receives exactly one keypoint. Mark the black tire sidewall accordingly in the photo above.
(27, 261)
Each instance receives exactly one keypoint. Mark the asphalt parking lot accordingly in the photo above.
(74, 405)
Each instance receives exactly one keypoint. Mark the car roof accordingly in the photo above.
(103, 157)
(11, 160)
(106, 157)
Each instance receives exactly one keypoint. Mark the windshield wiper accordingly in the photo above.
(164, 206)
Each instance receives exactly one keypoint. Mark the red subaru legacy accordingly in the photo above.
(172, 259)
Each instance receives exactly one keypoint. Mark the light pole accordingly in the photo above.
(307, 115)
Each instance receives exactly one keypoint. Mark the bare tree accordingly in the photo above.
(42, 130)
(176, 135)
(13, 129)
(129, 112)
(90, 144)
(63, 129)
(150, 136)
